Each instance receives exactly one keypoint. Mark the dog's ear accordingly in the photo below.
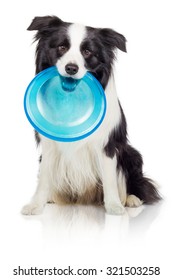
(113, 39)
(42, 23)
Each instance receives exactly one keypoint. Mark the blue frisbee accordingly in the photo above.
(64, 109)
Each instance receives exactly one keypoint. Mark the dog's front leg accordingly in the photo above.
(40, 197)
(110, 187)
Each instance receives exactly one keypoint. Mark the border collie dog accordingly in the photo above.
(103, 168)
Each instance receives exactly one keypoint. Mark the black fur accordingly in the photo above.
(130, 162)
(52, 32)
(37, 137)
(101, 43)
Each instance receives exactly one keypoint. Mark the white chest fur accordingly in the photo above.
(78, 165)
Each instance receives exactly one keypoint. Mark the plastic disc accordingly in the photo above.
(64, 109)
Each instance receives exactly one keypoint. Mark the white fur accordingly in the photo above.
(80, 164)
(133, 201)
(110, 186)
(122, 187)
(76, 34)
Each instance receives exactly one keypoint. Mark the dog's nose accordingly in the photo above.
(71, 68)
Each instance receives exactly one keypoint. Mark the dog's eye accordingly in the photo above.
(62, 49)
(86, 53)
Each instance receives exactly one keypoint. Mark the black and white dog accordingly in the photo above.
(103, 168)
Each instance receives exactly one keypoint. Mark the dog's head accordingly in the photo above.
(74, 48)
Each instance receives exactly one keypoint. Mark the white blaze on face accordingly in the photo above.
(76, 33)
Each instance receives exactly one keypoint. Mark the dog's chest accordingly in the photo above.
(74, 167)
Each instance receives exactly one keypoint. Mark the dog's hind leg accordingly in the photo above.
(133, 201)
(140, 189)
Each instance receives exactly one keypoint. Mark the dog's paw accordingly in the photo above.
(114, 209)
(32, 209)
(133, 201)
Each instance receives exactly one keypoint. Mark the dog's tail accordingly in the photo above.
(145, 189)
(130, 161)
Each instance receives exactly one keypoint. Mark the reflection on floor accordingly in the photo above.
(91, 222)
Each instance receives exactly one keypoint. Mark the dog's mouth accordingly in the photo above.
(69, 83)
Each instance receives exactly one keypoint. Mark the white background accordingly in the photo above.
(85, 236)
